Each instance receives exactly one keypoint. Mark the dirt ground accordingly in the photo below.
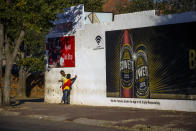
(112, 117)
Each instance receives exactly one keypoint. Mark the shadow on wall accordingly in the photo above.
(68, 22)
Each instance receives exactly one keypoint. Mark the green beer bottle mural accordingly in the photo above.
(141, 73)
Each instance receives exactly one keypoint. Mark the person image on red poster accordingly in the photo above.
(67, 51)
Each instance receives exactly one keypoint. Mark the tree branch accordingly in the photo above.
(17, 45)
(1, 36)
(1, 44)
(1, 56)
(7, 50)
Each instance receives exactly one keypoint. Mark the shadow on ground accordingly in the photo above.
(16, 102)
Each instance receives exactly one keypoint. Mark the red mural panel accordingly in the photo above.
(61, 52)
(67, 58)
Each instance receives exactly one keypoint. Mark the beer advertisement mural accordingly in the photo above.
(61, 52)
(157, 62)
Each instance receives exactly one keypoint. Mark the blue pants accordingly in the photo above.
(65, 96)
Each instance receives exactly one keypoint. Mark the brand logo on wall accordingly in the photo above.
(99, 42)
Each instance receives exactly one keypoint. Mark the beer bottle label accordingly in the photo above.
(126, 67)
(141, 73)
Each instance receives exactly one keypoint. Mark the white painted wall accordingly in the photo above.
(90, 86)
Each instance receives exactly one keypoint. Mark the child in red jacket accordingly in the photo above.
(66, 86)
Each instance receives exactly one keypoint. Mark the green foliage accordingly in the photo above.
(93, 5)
(141, 5)
(32, 64)
(33, 48)
(136, 5)
(32, 16)
(29, 14)
(90, 5)
(175, 6)
(165, 6)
